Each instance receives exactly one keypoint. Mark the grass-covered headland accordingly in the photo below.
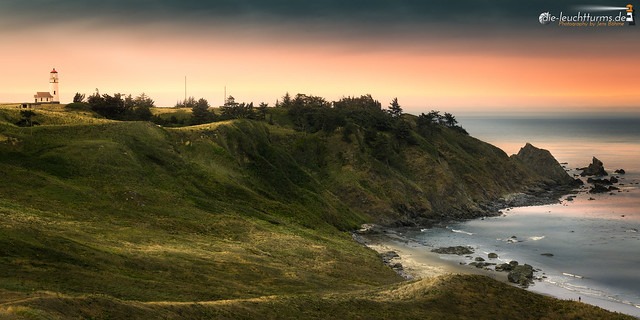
(246, 215)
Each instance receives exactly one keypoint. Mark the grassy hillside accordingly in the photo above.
(122, 215)
(451, 297)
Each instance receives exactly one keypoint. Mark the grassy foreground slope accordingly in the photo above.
(450, 297)
(104, 218)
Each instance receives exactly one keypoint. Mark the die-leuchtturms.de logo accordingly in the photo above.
(592, 16)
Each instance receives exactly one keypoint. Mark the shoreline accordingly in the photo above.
(414, 260)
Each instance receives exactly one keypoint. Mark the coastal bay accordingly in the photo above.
(585, 246)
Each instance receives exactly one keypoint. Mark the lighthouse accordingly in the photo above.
(53, 85)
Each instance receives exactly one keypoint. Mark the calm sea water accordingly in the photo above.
(594, 239)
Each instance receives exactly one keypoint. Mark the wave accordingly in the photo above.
(537, 238)
(587, 291)
(461, 231)
(573, 275)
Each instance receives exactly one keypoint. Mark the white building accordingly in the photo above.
(43, 97)
(53, 95)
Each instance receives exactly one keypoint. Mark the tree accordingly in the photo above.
(27, 119)
(129, 103)
(449, 120)
(234, 110)
(309, 112)
(434, 116)
(362, 103)
(188, 103)
(262, 111)
(381, 148)
(286, 100)
(144, 100)
(200, 112)
(402, 131)
(110, 107)
(394, 108)
(142, 113)
(78, 98)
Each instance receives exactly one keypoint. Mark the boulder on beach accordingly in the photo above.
(522, 275)
(459, 250)
(388, 256)
(547, 254)
(596, 168)
(479, 259)
(543, 163)
(504, 267)
(493, 255)
(397, 266)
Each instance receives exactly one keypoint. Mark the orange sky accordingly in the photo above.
(504, 72)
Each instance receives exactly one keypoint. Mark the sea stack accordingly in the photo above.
(596, 168)
(543, 163)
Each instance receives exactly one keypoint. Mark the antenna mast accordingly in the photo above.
(185, 89)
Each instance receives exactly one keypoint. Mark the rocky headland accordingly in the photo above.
(550, 183)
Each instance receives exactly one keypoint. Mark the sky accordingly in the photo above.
(468, 57)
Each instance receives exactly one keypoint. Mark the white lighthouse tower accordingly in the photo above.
(53, 85)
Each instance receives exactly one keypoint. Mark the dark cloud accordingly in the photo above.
(355, 18)
(321, 12)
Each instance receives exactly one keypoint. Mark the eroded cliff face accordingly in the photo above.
(448, 175)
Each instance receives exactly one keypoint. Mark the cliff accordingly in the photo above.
(242, 209)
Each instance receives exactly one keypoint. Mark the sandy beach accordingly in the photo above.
(418, 261)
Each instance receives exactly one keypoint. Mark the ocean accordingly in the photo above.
(594, 240)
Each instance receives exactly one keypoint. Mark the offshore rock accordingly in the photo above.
(600, 181)
(596, 168)
(599, 188)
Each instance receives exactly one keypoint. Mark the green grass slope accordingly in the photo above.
(129, 210)
(450, 297)
(117, 216)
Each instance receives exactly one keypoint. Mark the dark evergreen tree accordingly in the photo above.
(200, 112)
(286, 100)
(262, 111)
(449, 120)
(394, 108)
(27, 119)
(78, 97)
